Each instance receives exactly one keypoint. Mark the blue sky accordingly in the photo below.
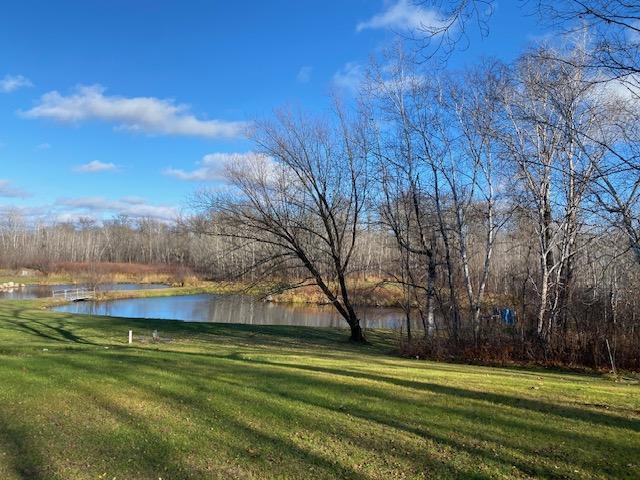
(129, 106)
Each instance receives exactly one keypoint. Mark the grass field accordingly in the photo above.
(233, 401)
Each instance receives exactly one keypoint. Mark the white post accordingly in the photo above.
(130, 336)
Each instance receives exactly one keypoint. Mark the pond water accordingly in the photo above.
(43, 291)
(233, 309)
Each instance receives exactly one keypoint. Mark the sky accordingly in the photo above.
(128, 107)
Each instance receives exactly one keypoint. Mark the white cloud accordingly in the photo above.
(349, 77)
(139, 114)
(304, 74)
(94, 208)
(211, 167)
(41, 214)
(625, 90)
(7, 190)
(95, 166)
(69, 217)
(130, 206)
(43, 146)
(25, 213)
(10, 83)
(404, 15)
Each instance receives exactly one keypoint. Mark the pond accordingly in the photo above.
(233, 309)
(43, 291)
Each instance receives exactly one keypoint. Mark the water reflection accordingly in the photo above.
(233, 309)
(43, 291)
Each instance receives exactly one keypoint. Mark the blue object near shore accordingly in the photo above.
(508, 316)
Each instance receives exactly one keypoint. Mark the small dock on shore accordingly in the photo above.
(75, 294)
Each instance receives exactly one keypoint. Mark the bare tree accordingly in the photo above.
(548, 104)
(304, 196)
(395, 91)
(610, 80)
(450, 28)
(472, 176)
(614, 26)
(616, 185)
(436, 150)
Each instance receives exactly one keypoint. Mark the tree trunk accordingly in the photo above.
(431, 297)
(357, 335)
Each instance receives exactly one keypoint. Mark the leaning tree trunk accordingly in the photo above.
(357, 335)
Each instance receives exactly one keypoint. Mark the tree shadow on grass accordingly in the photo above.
(271, 402)
(23, 455)
(54, 331)
(277, 385)
(159, 457)
(293, 336)
(538, 406)
(479, 443)
(145, 372)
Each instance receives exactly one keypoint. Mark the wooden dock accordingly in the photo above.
(75, 294)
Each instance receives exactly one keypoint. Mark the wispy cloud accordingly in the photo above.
(211, 167)
(10, 83)
(7, 190)
(131, 206)
(95, 166)
(139, 114)
(42, 214)
(28, 213)
(404, 15)
(304, 74)
(43, 146)
(349, 77)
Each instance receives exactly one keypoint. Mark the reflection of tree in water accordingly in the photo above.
(235, 309)
(26, 292)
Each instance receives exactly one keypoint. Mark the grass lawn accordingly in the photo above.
(232, 401)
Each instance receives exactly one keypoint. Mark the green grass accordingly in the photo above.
(232, 401)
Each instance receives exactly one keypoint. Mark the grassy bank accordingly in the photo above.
(202, 287)
(371, 293)
(233, 401)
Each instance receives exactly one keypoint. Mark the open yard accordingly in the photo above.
(234, 401)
